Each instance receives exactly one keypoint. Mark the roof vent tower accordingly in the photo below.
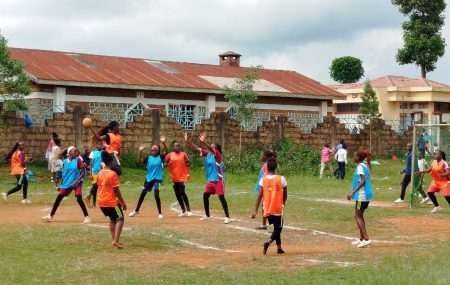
(230, 58)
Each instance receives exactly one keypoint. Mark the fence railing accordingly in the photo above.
(39, 111)
(306, 122)
(355, 123)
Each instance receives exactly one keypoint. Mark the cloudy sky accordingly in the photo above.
(301, 35)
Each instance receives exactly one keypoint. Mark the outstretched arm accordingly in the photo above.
(96, 136)
(202, 139)
(423, 171)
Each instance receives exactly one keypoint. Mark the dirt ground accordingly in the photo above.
(303, 248)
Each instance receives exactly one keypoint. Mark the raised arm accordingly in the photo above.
(190, 144)
(202, 139)
(139, 158)
(96, 136)
(162, 139)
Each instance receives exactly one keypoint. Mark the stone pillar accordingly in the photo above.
(220, 128)
(78, 117)
(59, 102)
(323, 108)
(280, 128)
(211, 103)
(156, 120)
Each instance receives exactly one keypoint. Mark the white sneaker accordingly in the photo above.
(424, 200)
(399, 200)
(160, 216)
(184, 214)
(87, 220)
(436, 209)
(189, 213)
(26, 201)
(132, 214)
(204, 218)
(47, 218)
(5, 196)
(227, 220)
(364, 243)
(356, 242)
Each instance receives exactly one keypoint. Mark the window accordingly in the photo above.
(442, 107)
(187, 115)
(348, 107)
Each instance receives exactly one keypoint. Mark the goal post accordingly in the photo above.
(425, 138)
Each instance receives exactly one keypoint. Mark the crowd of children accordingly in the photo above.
(103, 166)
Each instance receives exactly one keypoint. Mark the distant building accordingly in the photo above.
(401, 99)
(114, 86)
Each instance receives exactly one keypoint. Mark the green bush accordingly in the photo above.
(292, 159)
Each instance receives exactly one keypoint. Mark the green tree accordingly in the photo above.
(242, 95)
(13, 80)
(423, 41)
(346, 69)
(369, 109)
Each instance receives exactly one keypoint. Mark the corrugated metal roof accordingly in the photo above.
(46, 65)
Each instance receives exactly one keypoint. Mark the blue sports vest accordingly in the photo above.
(70, 172)
(154, 168)
(96, 161)
(367, 186)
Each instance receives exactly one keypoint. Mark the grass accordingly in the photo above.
(68, 253)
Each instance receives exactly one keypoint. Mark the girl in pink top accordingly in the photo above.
(326, 160)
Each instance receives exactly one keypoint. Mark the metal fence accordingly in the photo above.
(39, 111)
(355, 123)
(306, 122)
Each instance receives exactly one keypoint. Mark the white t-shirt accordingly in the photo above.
(283, 180)
(341, 155)
(422, 163)
(362, 191)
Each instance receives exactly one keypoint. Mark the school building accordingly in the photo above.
(120, 88)
(403, 100)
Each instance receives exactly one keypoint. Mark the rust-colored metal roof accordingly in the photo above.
(391, 81)
(64, 67)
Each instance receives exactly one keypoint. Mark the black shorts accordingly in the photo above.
(361, 205)
(276, 221)
(115, 214)
(149, 186)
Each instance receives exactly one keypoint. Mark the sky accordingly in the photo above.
(300, 35)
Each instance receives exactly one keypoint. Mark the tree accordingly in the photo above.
(13, 80)
(242, 95)
(347, 69)
(369, 109)
(423, 41)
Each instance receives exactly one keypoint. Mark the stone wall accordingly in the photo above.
(219, 128)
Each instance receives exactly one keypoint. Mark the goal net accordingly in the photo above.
(426, 139)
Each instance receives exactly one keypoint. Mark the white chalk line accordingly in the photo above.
(314, 232)
(339, 263)
(184, 241)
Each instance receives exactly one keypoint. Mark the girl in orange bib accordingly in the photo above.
(273, 191)
(440, 172)
(18, 160)
(112, 140)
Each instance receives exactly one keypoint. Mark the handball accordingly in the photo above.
(87, 122)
